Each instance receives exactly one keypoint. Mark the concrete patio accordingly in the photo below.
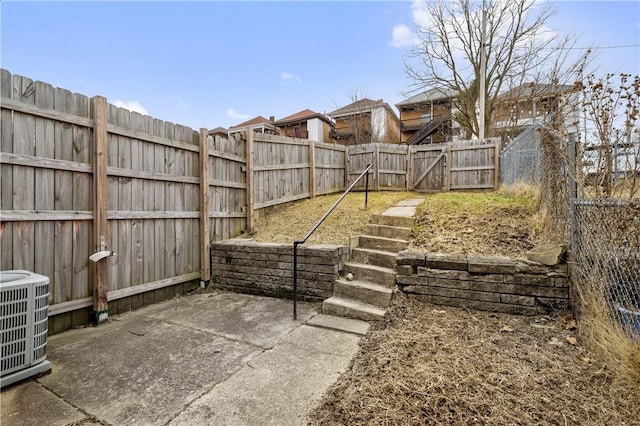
(212, 358)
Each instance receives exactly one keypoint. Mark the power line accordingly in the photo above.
(594, 47)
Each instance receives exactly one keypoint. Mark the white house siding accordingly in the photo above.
(379, 124)
(315, 129)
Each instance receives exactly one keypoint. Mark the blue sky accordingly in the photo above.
(210, 63)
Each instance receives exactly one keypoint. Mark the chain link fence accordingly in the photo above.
(606, 259)
(604, 233)
(520, 159)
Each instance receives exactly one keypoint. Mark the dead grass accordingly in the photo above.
(427, 364)
(501, 223)
(607, 337)
(290, 222)
(434, 365)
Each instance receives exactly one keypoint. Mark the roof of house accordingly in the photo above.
(429, 96)
(533, 89)
(218, 130)
(305, 114)
(253, 122)
(362, 105)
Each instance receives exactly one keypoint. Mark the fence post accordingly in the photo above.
(407, 178)
(496, 166)
(376, 159)
(205, 222)
(447, 167)
(249, 179)
(312, 169)
(100, 226)
(347, 161)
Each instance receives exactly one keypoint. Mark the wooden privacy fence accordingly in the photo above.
(80, 175)
(438, 167)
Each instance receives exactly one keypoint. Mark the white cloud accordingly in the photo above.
(421, 16)
(286, 76)
(402, 36)
(235, 114)
(134, 106)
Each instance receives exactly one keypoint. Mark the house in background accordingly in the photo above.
(219, 131)
(306, 124)
(427, 118)
(365, 121)
(533, 103)
(259, 124)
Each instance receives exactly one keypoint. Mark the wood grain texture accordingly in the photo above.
(100, 225)
(23, 176)
(205, 222)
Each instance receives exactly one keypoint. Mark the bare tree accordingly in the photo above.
(611, 138)
(519, 48)
(354, 126)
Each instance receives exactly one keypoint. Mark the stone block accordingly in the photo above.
(411, 280)
(478, 295)
(405, 269)
(530, 290)
(524, 266)
(412, 258)
(491, 265)
(528, 279)
(560, 282)
(490, 278)
(446, 261)
(492, 287)
(561, 269)
(547, 254)
(443, 273)
(518, 300)
(435, 291)
(448, 283)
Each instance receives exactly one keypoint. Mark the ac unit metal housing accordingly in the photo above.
(24, 304)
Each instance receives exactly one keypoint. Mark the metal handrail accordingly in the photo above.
(312, 230)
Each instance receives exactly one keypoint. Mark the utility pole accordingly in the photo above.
(483, 72)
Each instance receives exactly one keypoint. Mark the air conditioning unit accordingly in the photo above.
(24, 304)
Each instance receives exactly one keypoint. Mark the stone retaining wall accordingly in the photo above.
(488, 283)
(266, 269)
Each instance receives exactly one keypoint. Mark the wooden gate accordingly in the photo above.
(429, 168)
(454, 165)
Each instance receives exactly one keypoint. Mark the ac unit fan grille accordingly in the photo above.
(24, 309)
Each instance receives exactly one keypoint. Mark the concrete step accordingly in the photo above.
(380, 243)
(351, 309)
(363, 291)
(383, 219)
(382, 258)
(347, 325)
(397, 232)
(372, 273)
